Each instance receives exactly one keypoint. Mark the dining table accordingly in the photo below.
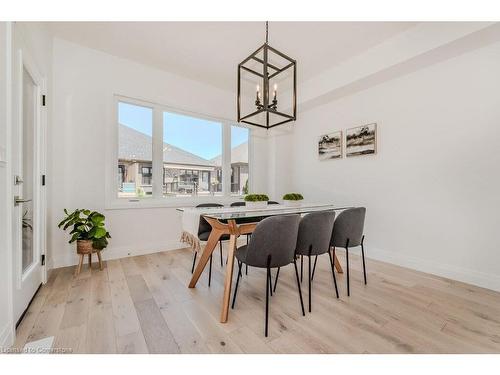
(234, 222)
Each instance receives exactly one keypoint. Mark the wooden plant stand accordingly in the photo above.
(85, 248)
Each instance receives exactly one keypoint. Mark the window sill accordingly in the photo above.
(142, 203)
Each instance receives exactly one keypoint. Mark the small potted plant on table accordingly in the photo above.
(88, 231)
(292, 199)
(256, 200)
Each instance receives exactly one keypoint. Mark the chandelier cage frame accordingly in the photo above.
(269, 71)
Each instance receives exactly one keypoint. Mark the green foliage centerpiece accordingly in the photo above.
(256, 200)
(292, 199)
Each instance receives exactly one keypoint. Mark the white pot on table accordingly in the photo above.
(256, 205)
(290, 203)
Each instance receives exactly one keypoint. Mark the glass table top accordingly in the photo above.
(229, 213)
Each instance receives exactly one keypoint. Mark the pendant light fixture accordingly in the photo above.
(260, 76)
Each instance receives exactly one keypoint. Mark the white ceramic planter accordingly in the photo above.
(292, 203)
(256, 205)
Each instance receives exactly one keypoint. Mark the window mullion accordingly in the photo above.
(157, 153)
(226, 159)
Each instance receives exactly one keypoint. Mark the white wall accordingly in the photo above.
(85, 81)
(5, 257)
(432, 190)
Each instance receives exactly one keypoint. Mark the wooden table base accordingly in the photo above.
(234, 231)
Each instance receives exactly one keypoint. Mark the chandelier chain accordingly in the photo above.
(267, 31)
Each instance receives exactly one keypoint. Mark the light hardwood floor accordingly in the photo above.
(142, 305)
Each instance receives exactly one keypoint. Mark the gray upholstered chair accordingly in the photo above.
(315, 231)
(348, 232)
(272, 245)
(238, 204)
(204, 230)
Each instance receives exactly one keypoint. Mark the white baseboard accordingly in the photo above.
(7, 336)
(481, 279)
(71, 258)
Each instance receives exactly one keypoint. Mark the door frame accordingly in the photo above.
(25, 61)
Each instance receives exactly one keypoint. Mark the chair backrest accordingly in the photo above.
(274, 236)
(272, 202)
(238, 204)
(349, 225)
(315, 231)
(204, 226)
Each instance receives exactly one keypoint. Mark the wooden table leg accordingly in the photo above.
(229, 278)
(213, 239)
(337, 264)
(90, 260)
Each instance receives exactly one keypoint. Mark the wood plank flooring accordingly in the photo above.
(142, 305)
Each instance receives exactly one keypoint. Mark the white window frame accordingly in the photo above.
(157, 199)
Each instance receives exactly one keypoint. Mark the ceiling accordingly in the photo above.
(210, 51)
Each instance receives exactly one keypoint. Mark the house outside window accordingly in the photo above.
(191, 155)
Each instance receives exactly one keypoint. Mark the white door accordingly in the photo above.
(29, 199)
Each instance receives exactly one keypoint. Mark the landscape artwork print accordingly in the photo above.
(361, 140)
(330, 146)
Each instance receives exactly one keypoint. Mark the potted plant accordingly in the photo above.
(256, 200)
(292, 199)
(87, 230)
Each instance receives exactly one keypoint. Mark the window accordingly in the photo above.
(135, 150)
(192, 155)
(147, 174)
(187, 152)
(239, 160)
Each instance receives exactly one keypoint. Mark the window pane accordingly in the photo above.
(135, 150)
(239, 160)
(192, 156)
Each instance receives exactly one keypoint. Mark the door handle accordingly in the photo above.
(18, 200)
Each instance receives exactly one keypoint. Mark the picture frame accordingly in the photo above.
(361, 140)
(330, 146)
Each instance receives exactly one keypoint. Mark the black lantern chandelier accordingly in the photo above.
(263, 69)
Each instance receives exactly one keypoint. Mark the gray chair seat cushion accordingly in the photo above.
(315, 231)
(274, 239)
(241, 253)
(349, 225)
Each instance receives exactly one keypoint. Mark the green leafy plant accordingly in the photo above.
(293, 197)
(86, 225)
(27, 221)
(256, 198)
(140, 192)
(245, 188)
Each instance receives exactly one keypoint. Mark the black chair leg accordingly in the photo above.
(333, 272)
(276, 279)
(347, 266)
(363, 256)
(194, 261)
(309, 277)
(314, 267)
(301, 268)
(221, 260)
(210, 271)
(268, 287)
(298, 287)
(270, 283)
(237, 282)
(246, 269)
